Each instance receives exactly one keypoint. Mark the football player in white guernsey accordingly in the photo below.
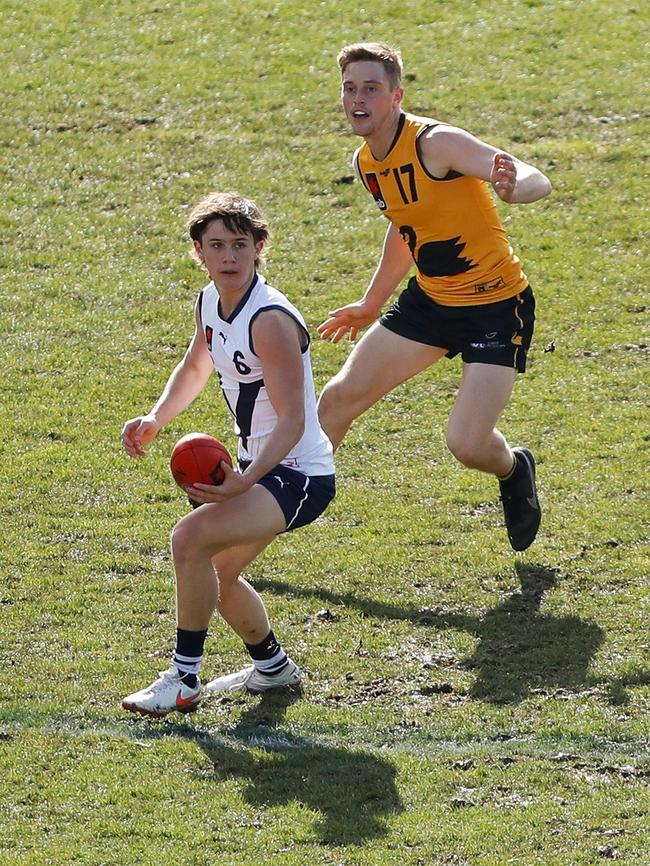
(258, 343)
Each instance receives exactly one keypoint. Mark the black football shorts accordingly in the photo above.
(497, 333)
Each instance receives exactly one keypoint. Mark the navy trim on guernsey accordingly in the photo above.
(305, 333)
(231, 318)
(199, 306)
(451, 174)
(398, 132)
(248, 393)
(301, 497)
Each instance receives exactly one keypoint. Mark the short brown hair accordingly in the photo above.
(379, 52)
(238, 214)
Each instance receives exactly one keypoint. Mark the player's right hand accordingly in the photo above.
(347, 320)
(234, 484)
(137, 433)
(503, 176)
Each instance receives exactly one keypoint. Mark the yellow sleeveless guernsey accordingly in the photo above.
(451, 224)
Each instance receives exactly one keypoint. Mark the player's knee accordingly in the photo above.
(327, 408)
(337, 401)
(183, 542)
(466, 450)
(327, 401)
(334, 415)
(227, 578)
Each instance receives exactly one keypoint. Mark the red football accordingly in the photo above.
(197, 458)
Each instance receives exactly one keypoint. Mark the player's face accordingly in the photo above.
(228, 256)
(370, 104)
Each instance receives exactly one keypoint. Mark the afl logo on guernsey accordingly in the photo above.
(372, 182)
(208, 337)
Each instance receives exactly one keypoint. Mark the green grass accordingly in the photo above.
(464, 706)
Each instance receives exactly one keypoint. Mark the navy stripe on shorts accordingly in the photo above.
(301, 497)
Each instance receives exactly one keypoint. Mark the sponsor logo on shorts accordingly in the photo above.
(490, 344)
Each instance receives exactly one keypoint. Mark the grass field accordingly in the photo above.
(464, 706)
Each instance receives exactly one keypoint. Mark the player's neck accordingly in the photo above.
(231, 295)
(381, 140)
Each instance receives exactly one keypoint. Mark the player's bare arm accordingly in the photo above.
(394, 264)
(276, 338)
(449, 148)
(183, 386)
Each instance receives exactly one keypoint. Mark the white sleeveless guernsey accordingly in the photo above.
(230, 344)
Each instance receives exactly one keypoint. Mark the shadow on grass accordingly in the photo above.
(519, 649)
(522, 649)
(352, 791)
(617, 693)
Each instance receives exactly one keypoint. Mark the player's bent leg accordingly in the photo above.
(248, 525)
(472, 436)
(379, 362)
(238, 603)
(249, 519)
(243, 609)
(474, 440)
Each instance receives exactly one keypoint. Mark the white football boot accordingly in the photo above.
(254, 681)
(165, 695)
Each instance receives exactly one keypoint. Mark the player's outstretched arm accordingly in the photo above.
(448, 148)
(393, 266)
(517, 182)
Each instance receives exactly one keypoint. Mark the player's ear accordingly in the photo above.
(398, 95)
(259, 246)
(198, 249)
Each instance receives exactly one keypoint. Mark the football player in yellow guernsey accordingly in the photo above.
(469, 295)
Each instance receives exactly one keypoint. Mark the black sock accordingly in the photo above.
(513, 472)
(188, 654)
(268, 656)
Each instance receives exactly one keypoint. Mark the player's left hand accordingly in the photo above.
(503, 176)
(234, 484)
(349, 320)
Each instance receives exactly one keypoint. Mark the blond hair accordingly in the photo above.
(378, 52)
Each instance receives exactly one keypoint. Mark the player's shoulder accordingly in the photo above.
(274, 309)
(441, 129)
(268, 298)
(440, 138)
(426, 130)
(266, 294)
(419, 119)
(206, 299)
(208, 289)
(420, 123)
